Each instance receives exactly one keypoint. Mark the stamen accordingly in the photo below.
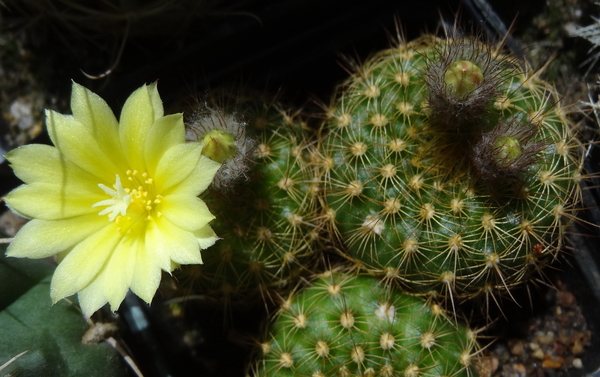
(121, 199)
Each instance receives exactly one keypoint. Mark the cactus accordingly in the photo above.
(264, 216)
(449, 168)
(348, 325)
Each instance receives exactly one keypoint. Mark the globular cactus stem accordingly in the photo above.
(348, 325)
(447, 167)
(265, 216)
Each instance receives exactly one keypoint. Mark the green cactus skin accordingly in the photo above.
(266, 223)
(348, 325)
(402, 192)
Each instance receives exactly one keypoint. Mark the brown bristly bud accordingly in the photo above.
(206, 124)
(503, 156)
(464, 82)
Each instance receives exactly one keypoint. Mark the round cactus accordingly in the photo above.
(348, 325)
(264, 214)
(449, 168)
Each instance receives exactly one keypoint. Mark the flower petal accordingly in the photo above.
(200, 178)
(57, 236)
(79, 146)
(43, 163)
(141, 110)
(91, 298)
(115, 277)
(157, 246)
(167, 239)
(165, 133)
(93, 113)
(206, 237)
(176, 165)
(157, 104)
(186, 211)
(112, 282)
(147, 275)
(46, 201)
(81, 266)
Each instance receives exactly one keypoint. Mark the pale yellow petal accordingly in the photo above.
(206, 237)
(157, 104)
(157, 246)
(79, 146)
(176, 165)
(186, 211)
(43, 163)
(180, 245)
(41, 239)
(93, 113)
(82, 264)
(45, 201)
(116, 275)
(165, 133)
(147, 275)
(92, 298)
(200, 178)
(112, 282)
(141, 110)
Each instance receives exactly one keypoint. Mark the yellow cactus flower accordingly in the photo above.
(117, 201)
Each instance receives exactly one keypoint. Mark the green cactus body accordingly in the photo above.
(348, 325)
(404, 193)
(266, 220)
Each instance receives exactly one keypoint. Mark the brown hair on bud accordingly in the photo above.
(463, 81)
(225, 140)
(503, 157)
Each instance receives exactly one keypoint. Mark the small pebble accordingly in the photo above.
(21, 112)
(545, 339)
(534, 346)
(553, 362)
(566, 299)
(538, 354)
(514, 370)
(486, 366)
(554, 344)
(516, 347)
(520, 370)
(577, 348)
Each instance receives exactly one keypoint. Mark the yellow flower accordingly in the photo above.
(117, 201)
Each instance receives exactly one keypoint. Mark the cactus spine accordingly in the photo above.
(448, 168)
(347, 325)
(265, 216)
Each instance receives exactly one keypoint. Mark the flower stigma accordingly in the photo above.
(139, 200)
(119, 202)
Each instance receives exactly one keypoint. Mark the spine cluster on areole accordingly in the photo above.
(446, 166)
(265, 196)
(443, 168)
